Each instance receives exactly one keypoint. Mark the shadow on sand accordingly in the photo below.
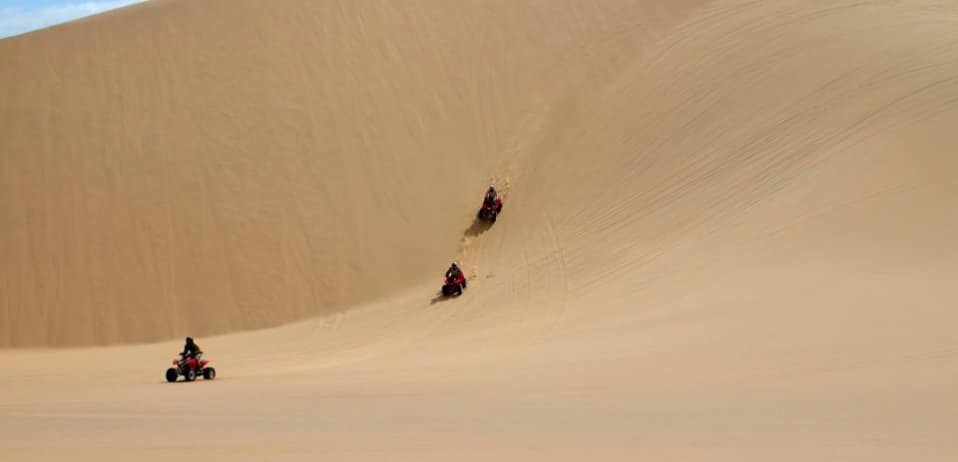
(439, 298)
(477, 227)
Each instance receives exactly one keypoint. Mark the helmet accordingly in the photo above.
(189, 339)
(455, 263)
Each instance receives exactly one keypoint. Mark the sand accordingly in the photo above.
(727, 231)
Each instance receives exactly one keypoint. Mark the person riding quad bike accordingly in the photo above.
(192, 350)
(455, 281)
(455, 273)
(491, 205)
(491, 196)
(190, 364)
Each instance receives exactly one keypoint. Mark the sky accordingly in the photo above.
(19, 16)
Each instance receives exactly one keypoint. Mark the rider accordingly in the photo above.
(455, 273)
(491, 196)
(191, 349)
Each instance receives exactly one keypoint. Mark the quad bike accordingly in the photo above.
(454, 285)
(490, 210)
(189, 369)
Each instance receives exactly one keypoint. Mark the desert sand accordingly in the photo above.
(729, 231)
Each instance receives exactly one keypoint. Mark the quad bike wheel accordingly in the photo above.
(451, 290)
(209, 373)
(171, 374)
(189, 375)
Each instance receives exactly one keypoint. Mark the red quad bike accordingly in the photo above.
(454, 285)
(489, 211)
(189, 369)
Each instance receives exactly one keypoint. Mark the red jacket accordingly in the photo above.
(451, 273)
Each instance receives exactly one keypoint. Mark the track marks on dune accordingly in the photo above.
(562, 270)
(535, 287)
(526, 280)
(683, 163)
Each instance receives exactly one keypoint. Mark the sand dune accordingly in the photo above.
(211, 167)
(728, 231)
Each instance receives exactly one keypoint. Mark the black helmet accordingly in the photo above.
(189, 339)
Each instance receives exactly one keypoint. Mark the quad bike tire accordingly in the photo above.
(189, 375)
(209, 373)
(171, 375)
(452, 290)
(489, 215)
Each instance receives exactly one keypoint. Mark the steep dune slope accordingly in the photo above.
(213, 166)
(728, 236)
(793, 146)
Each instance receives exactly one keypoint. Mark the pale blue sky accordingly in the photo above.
(19, 16)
